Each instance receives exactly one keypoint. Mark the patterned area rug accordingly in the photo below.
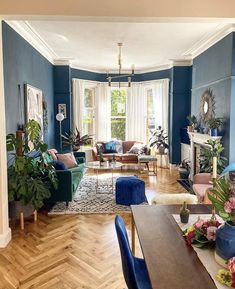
(88, 201)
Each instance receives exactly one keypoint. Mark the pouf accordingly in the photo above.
(130, 191)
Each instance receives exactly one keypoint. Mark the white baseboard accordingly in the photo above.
(5, 238)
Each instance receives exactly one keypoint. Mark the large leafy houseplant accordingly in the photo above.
(159, 140)
(74, 139)
(30, 178)
(214, 150)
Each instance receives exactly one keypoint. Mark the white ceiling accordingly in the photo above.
(93, 45)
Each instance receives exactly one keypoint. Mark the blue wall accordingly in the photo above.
(23, 64)
(62, 94)
(214, 69)
(180, 107)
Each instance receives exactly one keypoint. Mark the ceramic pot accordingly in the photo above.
(225, 241)
(17, 207)
(161, 150)
(184, 218)
(214, 132)
(184, 173)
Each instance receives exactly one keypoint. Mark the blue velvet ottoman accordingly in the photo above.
(130, 191)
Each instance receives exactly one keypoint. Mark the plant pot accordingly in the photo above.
(76, 148)
(17, 207)
(225, 241)
(184, 218)
(190, 128)
(184, 173)
(214, 132)
(161, 150)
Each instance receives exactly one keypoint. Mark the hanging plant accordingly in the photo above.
(45, 115)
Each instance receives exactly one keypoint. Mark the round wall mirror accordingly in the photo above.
(207, 105)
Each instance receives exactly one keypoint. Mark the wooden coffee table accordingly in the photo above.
(106, 166)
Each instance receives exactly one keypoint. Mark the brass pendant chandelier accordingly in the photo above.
(110, 78)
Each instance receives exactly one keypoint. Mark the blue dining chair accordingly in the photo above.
(134, 269)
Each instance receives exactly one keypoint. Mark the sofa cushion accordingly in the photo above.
(58, 165)
(129, 158)
(110, 147)
(126, 145)
(200, 190)
(53, 153)
(110, 156)
(68, 159)
(138, 149)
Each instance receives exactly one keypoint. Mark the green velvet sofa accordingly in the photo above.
(68, 180)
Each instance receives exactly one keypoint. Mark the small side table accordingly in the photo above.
(146, 159)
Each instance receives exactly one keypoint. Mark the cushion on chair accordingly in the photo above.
(58, 165)
(53, 153)
(68, 159)
(200, 190)
(174, 199)
(130, 191)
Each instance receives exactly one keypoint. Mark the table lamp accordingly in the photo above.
(60, 118)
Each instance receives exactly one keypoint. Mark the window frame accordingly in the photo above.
(116, 87)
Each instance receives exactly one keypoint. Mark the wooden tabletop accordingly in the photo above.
(170, 262)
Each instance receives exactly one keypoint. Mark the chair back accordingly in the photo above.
(128, 266)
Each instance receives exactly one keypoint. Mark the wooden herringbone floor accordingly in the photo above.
(71, 251)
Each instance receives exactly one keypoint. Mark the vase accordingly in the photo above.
(161, 150)
(17, 207)
(214, 132)
(225, 241)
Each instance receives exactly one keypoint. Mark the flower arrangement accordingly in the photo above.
(202, 233)
(227, 277)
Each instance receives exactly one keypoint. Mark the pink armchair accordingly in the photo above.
(201, 183)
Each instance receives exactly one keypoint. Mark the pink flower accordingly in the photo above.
(199, 223)
(210, 233)
(229, 205)
(231, 265)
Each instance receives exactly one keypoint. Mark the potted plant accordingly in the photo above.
(214, 124)
(159, 140)
(184, 169)
(208, 153)
(74, 139)
(29, 178)
(192, 122)
(184, 213)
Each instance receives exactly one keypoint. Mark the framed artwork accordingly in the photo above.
(34, 105)
(62, 109)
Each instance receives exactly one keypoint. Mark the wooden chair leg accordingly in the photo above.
(35, 216)
(22, 221)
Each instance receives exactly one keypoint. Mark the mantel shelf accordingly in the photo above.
(200, 138)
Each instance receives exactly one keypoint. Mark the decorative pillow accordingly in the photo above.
(138, 149)
(53, 153)
(59, 166)
(110, 147)
(68, 159)
(119, 148)
(100, 147)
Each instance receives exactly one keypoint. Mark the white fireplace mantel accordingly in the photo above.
(198, 139)
(201, 138)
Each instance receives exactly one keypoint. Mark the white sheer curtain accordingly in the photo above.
(161, 97)
(103, 112)
(136, 113)
(78, 99)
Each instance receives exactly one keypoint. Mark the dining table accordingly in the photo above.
(171, 263)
